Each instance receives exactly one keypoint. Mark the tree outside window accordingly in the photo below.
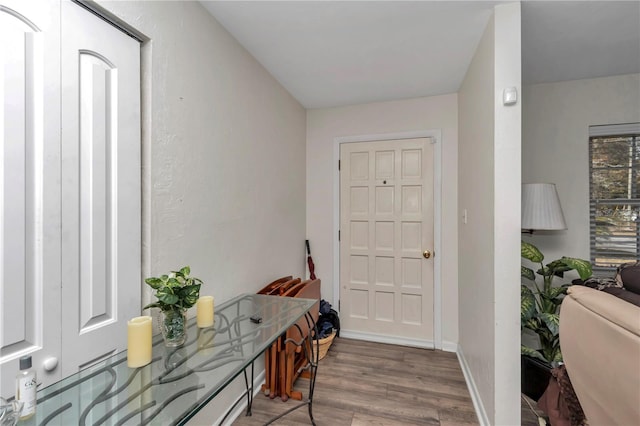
(614, 199)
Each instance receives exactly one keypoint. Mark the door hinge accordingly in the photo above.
(338, 235)
(338, 165)
(338, 305)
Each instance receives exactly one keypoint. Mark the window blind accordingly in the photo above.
(614, 187)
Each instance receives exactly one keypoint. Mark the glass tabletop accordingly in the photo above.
(179, 381)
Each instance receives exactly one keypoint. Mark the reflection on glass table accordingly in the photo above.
(179, 381)
(9, 412)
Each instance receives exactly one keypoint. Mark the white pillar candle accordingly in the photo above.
(204, 308)
(139, 341)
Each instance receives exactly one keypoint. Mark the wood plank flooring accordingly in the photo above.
(372, 384)
(362, 383)
(530, 412)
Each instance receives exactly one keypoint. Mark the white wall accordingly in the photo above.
(325, 125)
(227, 154)
(225, 162)
(555, 147)
(489, 190)
(507, 218)
(476, 238)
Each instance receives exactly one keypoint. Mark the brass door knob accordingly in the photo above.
(426, 254)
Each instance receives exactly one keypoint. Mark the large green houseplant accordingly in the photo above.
(539, 304)
(176, 292)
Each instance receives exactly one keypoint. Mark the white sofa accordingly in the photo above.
(600, 339)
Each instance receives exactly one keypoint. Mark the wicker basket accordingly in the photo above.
(324, 344)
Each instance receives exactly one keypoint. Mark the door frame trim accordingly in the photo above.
(436, 137)
(102, 13)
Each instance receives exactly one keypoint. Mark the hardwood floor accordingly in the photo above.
(530, 412)
(373, 384)
(362, 383)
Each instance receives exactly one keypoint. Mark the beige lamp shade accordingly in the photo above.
(541, 207)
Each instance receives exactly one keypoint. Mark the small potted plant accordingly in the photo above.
(176, 292)
(539, 312)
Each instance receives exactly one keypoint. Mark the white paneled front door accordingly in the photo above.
(70, 198)
(386, 225)
(101, 263)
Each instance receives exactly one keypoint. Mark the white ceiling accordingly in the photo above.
(331, 53)
(572, 40)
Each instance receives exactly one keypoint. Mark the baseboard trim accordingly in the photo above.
(473, 389)
(449, 346)
(241, 408)
(381, 338)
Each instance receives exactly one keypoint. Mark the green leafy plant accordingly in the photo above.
(176, 291)
(539, 305)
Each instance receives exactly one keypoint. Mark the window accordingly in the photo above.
(614, 182)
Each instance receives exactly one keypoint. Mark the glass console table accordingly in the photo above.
(179, 381)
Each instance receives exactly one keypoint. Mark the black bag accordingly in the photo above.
(328, 321)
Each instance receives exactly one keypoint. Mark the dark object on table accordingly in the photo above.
(256, 319)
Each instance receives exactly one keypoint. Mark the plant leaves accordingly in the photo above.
(545, 272)
(173, 283)
(583, 267)
(558, 356)
(527, 273)
(558, 268)
(554, 292)
(175, 291)
(544, 320)
(189, 295)
(527, 305)
(548, 306)
(525, 350)
(531, 252)
(533, 324)
(552, 321)
(166, 297)
(154, 283)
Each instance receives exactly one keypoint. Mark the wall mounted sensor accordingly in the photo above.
(510, 96)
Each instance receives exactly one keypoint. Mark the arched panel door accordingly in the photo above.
(70, 199)
(29, 187)
(101, 278)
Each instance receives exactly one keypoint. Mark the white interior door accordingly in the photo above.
(386, 224)
(29, 187)
(70, 205)
(101, 266)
